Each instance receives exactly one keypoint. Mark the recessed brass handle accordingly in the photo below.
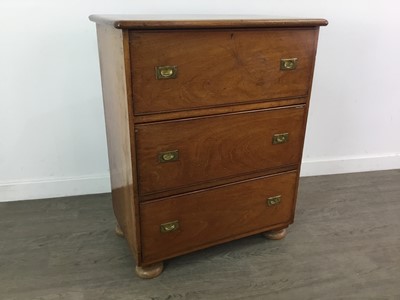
(169, 227)
(168, 156)
(280, 138)
(288, 64)
(166, 72)
(275, 200)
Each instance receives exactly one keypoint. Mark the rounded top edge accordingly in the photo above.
(201, 21)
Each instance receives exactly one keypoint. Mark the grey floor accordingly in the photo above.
(344, 244)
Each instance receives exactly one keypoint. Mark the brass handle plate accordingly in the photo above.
(288, 64)
(166, 72)
(168, 156)
(275, 200)
(280, 138)
(169, 227)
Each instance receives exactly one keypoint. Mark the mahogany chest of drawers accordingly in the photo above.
(205, 123)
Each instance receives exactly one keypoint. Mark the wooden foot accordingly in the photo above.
(275, 234)
(118, 231)
(151, 271)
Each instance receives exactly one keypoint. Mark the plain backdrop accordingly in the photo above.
(52, 132)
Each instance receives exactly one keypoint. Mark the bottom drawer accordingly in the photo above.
(184, 223)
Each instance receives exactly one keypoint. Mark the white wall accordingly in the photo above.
(52, 137)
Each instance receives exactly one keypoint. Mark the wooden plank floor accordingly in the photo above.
(344, 244)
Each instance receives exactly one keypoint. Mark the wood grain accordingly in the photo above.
(220, 113)
(215, 147)
(219, 67)
(219, 110)
(116, 92)
(210, 216)
(220, 181)
(201, 21)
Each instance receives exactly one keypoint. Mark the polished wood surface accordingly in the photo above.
(210, 216)
(150, 271)
(257, 105)
(218, 116)
(217, 147)
(202, 21)
(116, 91)
(244, 73)
(276, 234)
(220, 181)
(118, 231)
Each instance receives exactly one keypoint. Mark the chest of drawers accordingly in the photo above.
(205, 123)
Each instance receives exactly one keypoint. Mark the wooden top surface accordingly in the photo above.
(201, 21)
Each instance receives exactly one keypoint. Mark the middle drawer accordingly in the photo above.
(181, 153)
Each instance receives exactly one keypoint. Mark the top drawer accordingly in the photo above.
(217, 68)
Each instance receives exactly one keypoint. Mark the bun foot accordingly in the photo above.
(275, 234)
(151, 271)
(118, 231)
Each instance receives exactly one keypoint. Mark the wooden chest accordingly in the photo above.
(205, 128)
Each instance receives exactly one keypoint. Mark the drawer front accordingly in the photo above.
(216, 68)
(182, 153)
(184, 223)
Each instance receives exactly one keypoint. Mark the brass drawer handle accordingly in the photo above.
(166, 72)
(280, 138)
(168, 156)
(169, 227)
(288, 64)
(275, 200)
